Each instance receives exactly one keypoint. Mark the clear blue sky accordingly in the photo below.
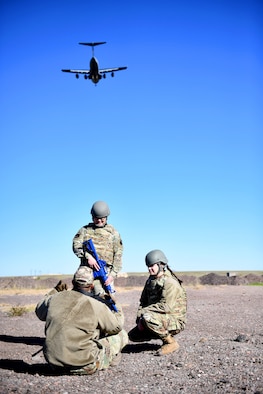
(173, 144)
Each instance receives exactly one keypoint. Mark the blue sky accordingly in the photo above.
(173, 144)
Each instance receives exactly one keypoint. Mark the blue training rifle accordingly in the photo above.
(101, 274)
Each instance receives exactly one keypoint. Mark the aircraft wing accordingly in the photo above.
(76, 71)
(109, 70)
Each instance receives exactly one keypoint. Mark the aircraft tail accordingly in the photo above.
(92, 44)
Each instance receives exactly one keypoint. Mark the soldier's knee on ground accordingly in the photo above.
(136, 335)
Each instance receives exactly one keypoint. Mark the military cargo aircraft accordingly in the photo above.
(94, 73)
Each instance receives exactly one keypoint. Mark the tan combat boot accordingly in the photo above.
(169, 345)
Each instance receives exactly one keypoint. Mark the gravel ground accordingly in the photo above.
(221, 349)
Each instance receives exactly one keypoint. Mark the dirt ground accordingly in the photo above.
(221, 349)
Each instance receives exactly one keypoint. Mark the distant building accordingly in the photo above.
(230, 274)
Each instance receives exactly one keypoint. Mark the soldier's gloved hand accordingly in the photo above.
(61, 286)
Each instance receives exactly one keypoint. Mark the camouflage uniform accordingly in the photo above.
(162, 307)
(108, 244)
(82, 334)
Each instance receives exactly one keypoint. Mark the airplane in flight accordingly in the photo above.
(94, 73)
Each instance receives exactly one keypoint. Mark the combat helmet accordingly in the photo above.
(100, 209)
(154, 257)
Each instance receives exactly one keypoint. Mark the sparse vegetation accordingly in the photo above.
(17, 310)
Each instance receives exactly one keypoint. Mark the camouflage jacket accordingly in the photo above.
(74, 324)
(164, 297)
(107, 242)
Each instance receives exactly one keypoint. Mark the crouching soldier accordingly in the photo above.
(162, 310)
(82, 334)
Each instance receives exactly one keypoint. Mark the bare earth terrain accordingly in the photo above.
(221, 349)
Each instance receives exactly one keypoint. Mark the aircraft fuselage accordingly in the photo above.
(94, 75)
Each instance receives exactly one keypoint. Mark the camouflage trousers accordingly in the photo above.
(109, 348)
(162, 324)
(156, 326)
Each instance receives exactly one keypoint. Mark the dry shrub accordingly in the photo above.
(17, 310)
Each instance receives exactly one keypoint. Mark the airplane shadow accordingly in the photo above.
(140, 347)
(26, 340)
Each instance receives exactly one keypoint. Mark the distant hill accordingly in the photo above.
(133, 280)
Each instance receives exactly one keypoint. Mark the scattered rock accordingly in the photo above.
(241, 338)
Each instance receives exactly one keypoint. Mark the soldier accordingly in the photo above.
(82, 334)
(162, 310)
(107, 242)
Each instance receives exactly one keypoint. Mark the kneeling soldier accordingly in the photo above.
(163, 303)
